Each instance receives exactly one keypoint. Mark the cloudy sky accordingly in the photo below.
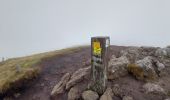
(34, 26)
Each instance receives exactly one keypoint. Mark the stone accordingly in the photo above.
(18, 68)
(127, 98)
(73, 94)
(76, 91)
(60, 87)
(117, 67)
(90, 95)
(78, 76)
(117, 91)
(107, 95)
(147, 66)
(167, 99)
(153, 88)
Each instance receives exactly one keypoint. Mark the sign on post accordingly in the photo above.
(99, 56)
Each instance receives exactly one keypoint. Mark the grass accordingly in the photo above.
(29, 67)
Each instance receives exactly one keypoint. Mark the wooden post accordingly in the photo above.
(99, 56)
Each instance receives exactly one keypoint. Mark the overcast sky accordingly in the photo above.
(34, 26)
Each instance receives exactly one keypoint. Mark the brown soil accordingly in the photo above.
(54, 68)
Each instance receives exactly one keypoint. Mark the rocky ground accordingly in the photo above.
(134, 73)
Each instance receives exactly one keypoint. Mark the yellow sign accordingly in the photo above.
(97, 48)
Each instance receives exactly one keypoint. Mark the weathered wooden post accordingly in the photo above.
(99, 56)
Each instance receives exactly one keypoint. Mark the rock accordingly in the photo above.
(167, 99)
(146, 65)
(18, 68)
(76, 91)
(162, 52)
(73, 94)
(107, 95)
(160, 68)
(78, 76)
(117, 67)
(132, 53)
(127, 98)
(153, 88)
(117, 91)
(90, 95)
(60, 87)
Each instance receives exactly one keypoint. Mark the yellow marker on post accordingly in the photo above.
(97, 48)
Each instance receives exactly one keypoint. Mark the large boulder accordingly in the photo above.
(117, 67)
(78, 76)
(153, 88)
(90, 95)
(143, 69)
(60, 87)
(107, 95)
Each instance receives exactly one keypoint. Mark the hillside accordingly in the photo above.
(135, 73)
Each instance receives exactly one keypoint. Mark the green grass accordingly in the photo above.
(29, 68)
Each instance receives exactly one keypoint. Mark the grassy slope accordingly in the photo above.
(29, 68)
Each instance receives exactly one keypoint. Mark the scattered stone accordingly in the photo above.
(90, 95)
(60, 87)
(153, 88)
(78, 76)
(107, 95)
(127, 98)
(117, 67)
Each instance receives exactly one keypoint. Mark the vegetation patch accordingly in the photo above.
(16, 71)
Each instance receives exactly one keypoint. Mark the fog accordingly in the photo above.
(33, 26)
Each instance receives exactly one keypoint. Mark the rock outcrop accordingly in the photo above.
(78, 76)
(60, 87)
